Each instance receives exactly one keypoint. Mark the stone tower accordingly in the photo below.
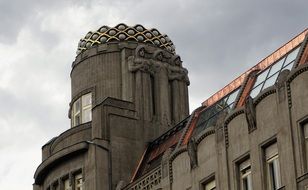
(128, 87)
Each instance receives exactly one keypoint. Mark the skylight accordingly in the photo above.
(269, 76)
(209, 116)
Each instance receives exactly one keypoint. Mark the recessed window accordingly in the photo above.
(82, 110)
(210, 185)
(78, 182)
(245, 175)
(56, 186)
(67, 185)
(272, 167)
(305, 144)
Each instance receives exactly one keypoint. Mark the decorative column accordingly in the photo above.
(162, 90)
(179, 81)
(142, 68)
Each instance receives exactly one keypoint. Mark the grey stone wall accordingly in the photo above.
(138, 92)
(280, 113)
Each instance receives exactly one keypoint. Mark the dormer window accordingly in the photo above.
(81, 111)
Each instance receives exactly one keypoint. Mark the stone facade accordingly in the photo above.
(140, 135)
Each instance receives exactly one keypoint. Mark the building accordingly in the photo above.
(131, 128)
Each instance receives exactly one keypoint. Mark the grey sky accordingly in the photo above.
(217, 40)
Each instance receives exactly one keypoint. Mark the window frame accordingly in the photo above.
(266, 160)
(303, 147)
(77, 115)
(268, 75)
(78, 176)
(273, 172)
(64, 180)
(245, 174)
(215, 109)
(206, 181)
(245, 158)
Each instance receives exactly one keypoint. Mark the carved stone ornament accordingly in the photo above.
(140, 51)
(282, 78)
(221, 119)
(176, 60)
(192, 152)
(139, 63)
(250, 113)
(280, 84)
(158, 55)
(178, 73)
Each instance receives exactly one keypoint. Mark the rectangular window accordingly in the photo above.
(210, 185)
(245, 175)
(272, 167)
(67, 185)
(78, 182)
(56, 186)
(305, 143)
(76, 113)
(86, 108)
(82, 110)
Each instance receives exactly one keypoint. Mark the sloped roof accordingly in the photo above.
(153, 154)
(226, 99)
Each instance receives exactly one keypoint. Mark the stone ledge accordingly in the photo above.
(56, 158)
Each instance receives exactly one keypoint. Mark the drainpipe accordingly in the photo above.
(109, 161)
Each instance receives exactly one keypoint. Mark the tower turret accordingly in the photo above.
(133, 64)
(128, 87)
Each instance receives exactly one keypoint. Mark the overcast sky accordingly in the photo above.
(217, 40)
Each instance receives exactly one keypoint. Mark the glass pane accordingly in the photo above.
(214, 110)
(270, 81)
(246, 183)
(77, 119)
(86, 115)
(277, 173)
(256, 91)
(86, 100)
(276, 67)
(211, 185)
(272, 178)
(292, 56)
(212, 121)
(249, 178)
(220, 104)
(78, 182)
(77, 106)
(289, 66)
(204, 116)
(229, 108)
(67, 185)
(232, 97)
(261, 77)
(305, 131)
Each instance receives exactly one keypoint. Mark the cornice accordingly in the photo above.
(56, 158)
(204, 134)
(296, 72)
(263, 94)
